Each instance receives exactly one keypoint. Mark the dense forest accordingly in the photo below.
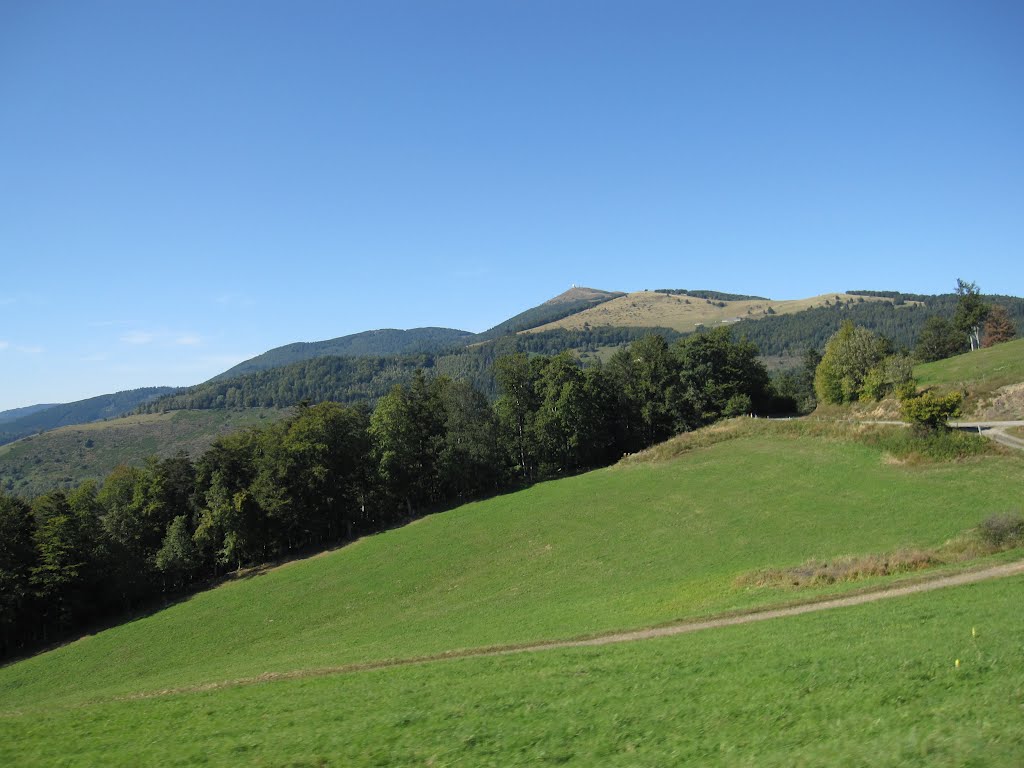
(901, 320)
(333, 471)
(355, 379)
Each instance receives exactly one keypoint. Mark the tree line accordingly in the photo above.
(332, 471)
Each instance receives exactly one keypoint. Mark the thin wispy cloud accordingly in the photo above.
(234, 299)
(24, 349)
(138, 337)
(188, 339)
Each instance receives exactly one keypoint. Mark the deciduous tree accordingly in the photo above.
(998, 326)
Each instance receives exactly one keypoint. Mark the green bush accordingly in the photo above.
(929, 411)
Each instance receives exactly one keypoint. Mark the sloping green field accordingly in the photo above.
(984, 369)
(991, 377)
(874, 685)
(624, 547)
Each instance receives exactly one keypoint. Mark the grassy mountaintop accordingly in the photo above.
(576, 299)
(685, 313)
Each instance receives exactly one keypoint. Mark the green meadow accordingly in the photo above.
(873, 685)
(980, 373)
(635, 545)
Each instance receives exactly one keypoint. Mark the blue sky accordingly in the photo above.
(186, 184)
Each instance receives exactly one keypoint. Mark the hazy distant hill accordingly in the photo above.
(80, 412)
(383, 342)
(28, 410)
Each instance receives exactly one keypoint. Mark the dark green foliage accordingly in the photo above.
(938, 340)
(387, 342)
(470, 463)
(67, 570)
(894, 374)
(970, 313)
(178, 556)
(80, 412)
(644, 385)
(18, 559)
(339, 379)
(899, 322)
(796, 386)
(717, 377)
(848, 358)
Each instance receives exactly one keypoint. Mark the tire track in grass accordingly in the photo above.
(682, 628)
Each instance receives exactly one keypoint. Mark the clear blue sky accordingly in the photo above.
(186, 184)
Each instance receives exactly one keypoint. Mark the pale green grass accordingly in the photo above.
(618, 548)
(874, 685)
(983, 369)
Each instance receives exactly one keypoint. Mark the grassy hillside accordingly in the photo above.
(872, 685)
(633, 545)
(685, 313)
(993, 379)
(65, 457)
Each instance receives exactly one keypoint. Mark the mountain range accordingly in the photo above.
(586, 321)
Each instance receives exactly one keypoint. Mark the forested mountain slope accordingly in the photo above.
(28, 410)
(380, 343)
(898, 317)
(80, 412)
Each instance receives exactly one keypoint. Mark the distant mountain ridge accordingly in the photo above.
(384, 342)
(28, 410)
(363, 366)
(79, 412)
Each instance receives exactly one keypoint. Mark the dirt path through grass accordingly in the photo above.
(942, 582)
